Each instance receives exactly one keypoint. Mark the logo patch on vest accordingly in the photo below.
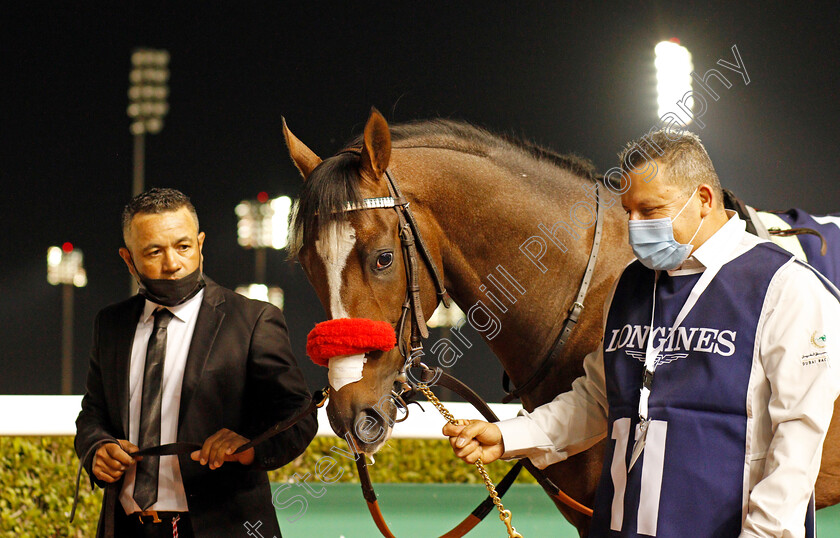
(675, 344)
(817, 356)
(818, 341)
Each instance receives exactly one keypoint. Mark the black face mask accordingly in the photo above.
(166, 292)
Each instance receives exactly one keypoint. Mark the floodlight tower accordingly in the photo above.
(263, 224)
(147, 103)
(64, 267)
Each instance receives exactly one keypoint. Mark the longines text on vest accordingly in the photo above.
(721, 342)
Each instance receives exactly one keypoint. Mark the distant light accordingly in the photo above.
(264, 224)
(53, 256)
(257, 291)
(154, 125)
(261, 292)
(673, 75)
(64, 266)
(148, 92)
(80, 279)
(280, 221)
(262, 197)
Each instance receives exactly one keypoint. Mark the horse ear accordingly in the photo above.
(303, 157)
(376, 150)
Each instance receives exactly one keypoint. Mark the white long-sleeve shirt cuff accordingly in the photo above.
(523, 438)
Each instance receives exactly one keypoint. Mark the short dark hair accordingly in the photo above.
(156, 200)
(681, 152)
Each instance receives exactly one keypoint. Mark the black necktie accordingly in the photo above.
(146, 481)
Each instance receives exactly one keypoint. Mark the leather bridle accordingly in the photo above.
(412, 242)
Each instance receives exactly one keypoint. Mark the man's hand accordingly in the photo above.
(111, 460)
(219, 448)
(476, 439)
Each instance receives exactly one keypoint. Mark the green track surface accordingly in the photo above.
(429, 510)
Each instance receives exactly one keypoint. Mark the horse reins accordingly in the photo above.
(445, 380)
(181, 448)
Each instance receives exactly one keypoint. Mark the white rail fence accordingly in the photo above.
(56, 415)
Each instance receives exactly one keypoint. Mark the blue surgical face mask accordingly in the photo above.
(654, 245)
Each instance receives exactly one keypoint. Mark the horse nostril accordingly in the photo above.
(368, 426)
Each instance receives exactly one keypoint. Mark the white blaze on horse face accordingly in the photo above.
(334, 246)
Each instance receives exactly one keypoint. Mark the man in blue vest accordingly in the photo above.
(713, 383)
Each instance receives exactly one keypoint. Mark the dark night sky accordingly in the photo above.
(571, 78)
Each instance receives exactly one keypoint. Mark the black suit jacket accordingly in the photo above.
(240, 374)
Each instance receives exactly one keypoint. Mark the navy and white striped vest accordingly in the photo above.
(689, 480)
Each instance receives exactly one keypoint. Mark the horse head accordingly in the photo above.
(346, 234)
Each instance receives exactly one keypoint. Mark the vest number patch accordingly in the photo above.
(653, 464)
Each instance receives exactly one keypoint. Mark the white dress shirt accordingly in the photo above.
(789, 399)
(179, 332)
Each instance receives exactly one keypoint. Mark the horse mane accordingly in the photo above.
(334, 182)
(468, 138)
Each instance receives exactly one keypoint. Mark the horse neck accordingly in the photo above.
(485, 218)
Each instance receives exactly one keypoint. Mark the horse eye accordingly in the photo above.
(384, 260)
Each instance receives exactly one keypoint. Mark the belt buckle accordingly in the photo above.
(152, 513)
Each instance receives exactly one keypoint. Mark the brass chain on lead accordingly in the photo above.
(504, 515)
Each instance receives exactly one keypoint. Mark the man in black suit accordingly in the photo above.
(186, 360)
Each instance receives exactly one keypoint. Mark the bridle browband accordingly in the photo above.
(375, 203)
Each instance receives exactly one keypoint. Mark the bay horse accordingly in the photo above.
(508, 224)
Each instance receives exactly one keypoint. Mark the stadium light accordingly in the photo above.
(261, 292)
(64, 267)
(148, 91)
(264, 223)
(147, 102)
(673, 75)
